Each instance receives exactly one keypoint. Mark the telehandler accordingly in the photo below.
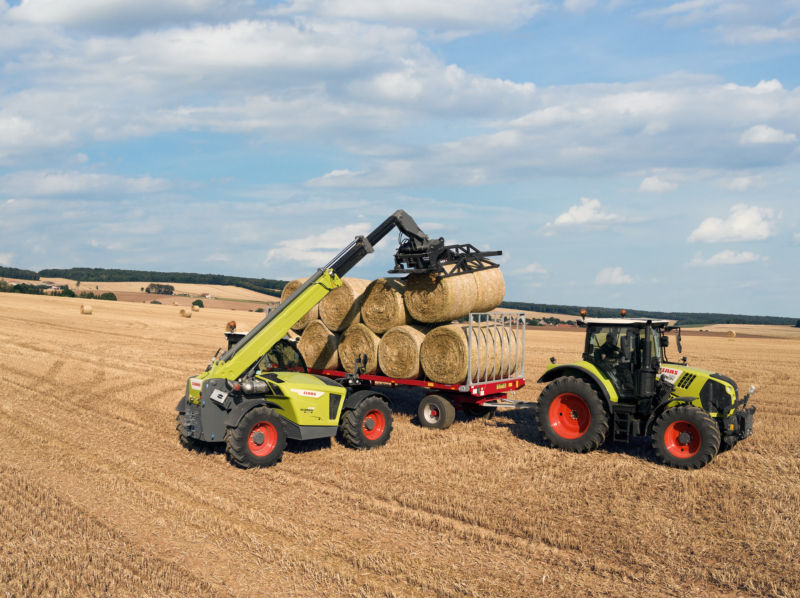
(625, 387)
(258, 392)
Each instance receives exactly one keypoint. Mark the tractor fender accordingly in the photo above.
(236, 414)
(578, 371)
(181, 406)
(353, 399)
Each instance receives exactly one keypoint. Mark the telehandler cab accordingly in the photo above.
(625, 385)
(258, 392)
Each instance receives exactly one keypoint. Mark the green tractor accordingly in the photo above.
(626, 388)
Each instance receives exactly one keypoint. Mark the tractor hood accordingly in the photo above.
(717, 393)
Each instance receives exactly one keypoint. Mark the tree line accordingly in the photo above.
(682, 318)
(261, 285)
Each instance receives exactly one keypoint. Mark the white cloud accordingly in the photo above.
(612, 276)
(727, 257)
(588, 212)
(315, 249)
(6, 259)
(758, 134)
(44, 183)
(121, 14)
(579, 6)
(217, 257)
(745, 223)
(448, 16)
(743, 183)
(796, 237)
(736, 22)
(532, 268)
(656, 184)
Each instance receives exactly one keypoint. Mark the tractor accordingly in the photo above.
(625, 388)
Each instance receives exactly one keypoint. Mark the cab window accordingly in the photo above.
(283, 356)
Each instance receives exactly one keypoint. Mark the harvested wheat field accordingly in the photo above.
(99, 498)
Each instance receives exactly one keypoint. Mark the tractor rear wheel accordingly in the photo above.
(571, 415)
(435, 411)
(686, 437)
(258, 440)
(368, 425)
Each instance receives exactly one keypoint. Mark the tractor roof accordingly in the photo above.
(633, 322)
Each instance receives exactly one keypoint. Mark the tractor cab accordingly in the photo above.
(628, 351)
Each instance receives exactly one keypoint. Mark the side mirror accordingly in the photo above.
(678, 339)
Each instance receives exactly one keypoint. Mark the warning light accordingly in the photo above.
(622, 312)
(583, 313)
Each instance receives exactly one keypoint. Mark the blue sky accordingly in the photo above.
(620, 153)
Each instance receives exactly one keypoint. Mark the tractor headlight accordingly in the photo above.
(752, 390)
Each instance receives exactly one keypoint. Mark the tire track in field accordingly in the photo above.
(468, 532)
(154, 499)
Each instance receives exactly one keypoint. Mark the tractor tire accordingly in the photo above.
(258, 440)
(571, 415)
(187, 442)
(368, 425)
(686, 437)
(435, 411)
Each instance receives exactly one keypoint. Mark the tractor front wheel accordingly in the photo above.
(258, 440)
(686, 437)
(435, 411)
(571, 415)
(368, 425)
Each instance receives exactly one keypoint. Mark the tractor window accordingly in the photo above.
(654, 342)
(283, 356)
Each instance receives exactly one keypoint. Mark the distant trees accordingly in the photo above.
(160, 289)
(108, 296)
(7, 272)
(198, 303)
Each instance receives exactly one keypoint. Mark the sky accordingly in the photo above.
(621, 153)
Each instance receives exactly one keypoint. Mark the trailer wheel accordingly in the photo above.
(686, 437)
(258, 440)
(368, 425)
(571, 415)
(435, 411)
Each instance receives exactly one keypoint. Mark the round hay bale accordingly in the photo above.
(186, 313)
(195, 308)
(311, 315)
(341, 307)
(86, 310)
(355, 341)
(383, 306)
(438, 300)
(444, 354)
(318, 346)
(490, 287)
(398, 351)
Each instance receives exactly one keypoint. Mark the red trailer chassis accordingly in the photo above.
(437, 409)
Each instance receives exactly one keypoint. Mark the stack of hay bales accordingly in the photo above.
(404, 327)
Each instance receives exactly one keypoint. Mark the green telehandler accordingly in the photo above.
(258, 392)
(625, 387)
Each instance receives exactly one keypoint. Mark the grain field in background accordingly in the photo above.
(99, 498)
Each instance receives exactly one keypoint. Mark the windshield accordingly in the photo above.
(283, 356)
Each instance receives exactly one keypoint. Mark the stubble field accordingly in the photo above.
(100, 499)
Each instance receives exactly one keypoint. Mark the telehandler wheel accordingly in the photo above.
(686, 437)
(186, 441)
(571, 415)
(368, 425)
(258, 440)
(435, 411)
